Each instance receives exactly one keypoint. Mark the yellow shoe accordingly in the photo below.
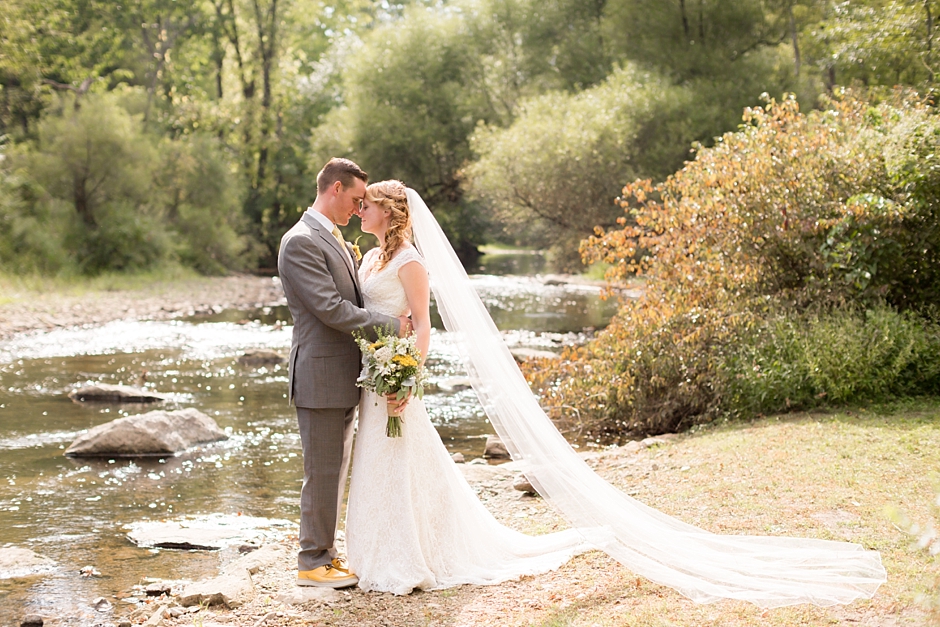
(339, 563)
(326, 577)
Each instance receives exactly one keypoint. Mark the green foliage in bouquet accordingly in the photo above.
(391, 365)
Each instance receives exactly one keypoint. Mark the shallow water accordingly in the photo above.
(75, 511)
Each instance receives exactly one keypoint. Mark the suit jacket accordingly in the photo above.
(322, 287)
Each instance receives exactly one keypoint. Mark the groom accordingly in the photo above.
(319, 274)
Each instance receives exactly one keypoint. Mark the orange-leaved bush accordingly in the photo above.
(746, 253)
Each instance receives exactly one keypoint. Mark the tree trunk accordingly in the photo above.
(80, 197)
(685, 20)
(267, 45)
(248, 87)
(796, 43)
(701, 21)
(929, 40)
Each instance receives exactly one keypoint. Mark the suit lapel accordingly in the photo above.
(331, 242)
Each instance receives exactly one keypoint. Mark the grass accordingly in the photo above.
(15, 288)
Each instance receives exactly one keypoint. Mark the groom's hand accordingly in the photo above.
(405, 327)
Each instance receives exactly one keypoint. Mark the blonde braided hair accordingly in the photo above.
(390, 195)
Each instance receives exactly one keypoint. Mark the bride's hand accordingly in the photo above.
(397, 406)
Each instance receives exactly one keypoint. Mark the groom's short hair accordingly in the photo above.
(342, 170)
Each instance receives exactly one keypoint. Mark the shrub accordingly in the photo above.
(839, 356)
(30, 232)
(201, 205)
(834, 212)
(96, 161)
(96, 194)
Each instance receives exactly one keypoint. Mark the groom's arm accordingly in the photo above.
(303, 265)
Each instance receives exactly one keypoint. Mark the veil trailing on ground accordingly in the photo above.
(767, 571)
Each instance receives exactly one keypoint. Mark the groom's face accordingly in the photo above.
(346, 202)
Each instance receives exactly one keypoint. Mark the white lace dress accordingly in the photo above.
(412, 520)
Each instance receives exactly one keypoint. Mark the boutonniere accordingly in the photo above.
(355, 249)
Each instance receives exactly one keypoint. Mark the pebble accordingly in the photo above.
(523, 485)
(458, 458)
(32, 620)
(90, 571)
(101, 604)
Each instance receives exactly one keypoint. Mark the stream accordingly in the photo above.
(76, 511)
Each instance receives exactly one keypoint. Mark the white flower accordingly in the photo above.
(383, 355)
(402, 349)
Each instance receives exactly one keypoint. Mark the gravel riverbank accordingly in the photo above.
(29, 311)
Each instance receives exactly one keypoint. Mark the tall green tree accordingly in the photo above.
(878, 42)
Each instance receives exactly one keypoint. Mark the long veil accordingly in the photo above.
(767, 571)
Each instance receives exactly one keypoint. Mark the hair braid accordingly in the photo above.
(390, 195)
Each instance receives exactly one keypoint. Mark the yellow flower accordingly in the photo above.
(404, 360)
(376, 345)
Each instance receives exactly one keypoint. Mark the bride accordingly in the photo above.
(414, 522)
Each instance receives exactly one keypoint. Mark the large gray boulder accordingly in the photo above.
(107, 393)
(208, 533)
(156, 433)
(16, 563)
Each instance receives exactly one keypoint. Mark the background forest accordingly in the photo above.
(155, 132)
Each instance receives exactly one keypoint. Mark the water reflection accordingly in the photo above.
(75, 511)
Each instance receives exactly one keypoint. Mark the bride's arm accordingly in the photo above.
(414, 278)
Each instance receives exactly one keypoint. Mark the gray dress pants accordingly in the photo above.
(326, 436)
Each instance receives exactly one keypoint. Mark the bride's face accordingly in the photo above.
(374, 218)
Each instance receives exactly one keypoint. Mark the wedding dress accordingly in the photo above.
(412, 519)
(706, 567)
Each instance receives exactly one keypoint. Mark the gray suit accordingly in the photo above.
(322, 289)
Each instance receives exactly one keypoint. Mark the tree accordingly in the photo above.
(552, 176)
(877, 42)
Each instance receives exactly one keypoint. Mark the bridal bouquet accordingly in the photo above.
(390, 365)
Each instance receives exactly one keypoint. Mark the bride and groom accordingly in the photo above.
(412, 520)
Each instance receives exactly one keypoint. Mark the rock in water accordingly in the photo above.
(16, 562)
(522, 355)
(157, 433)
(495, 449)
(254, 358)
(107, 393)
(32, 620)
